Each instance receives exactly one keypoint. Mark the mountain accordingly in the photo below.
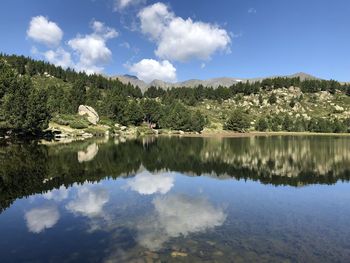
(215, 82)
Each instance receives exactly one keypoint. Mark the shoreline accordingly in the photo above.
(229, 134)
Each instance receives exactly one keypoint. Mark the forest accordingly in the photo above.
(32, 93)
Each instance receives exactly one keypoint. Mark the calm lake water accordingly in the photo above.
(265, 199)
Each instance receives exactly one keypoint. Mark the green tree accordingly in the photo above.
(197, 121)
(272, 98)
(16, 102)
(238, 121)
(261, 125)
(77, 95)
(25, 108)
(287, 124)
(93, 95)
(292, 103)
(152, 110)
(132, 114)
(37, 117)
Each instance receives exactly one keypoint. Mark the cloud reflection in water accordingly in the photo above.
(41, 218)
(147, 183)
(89, 201)
(177, 215)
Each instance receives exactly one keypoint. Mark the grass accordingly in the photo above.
(74, 121)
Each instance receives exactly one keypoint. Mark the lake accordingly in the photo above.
(171, 199)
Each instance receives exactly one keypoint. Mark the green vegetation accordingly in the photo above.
(238, 121)
(33, 93)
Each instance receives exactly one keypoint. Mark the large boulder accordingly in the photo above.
(90, 112)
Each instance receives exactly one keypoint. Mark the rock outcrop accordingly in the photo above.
(90, 112)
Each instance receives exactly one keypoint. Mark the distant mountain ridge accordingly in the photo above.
(214, 82)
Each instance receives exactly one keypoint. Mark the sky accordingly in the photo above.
(177, 40)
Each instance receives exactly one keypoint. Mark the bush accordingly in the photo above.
(261, 125)
(78, 125)
(238, 121)
(60, 121)
(272, 99)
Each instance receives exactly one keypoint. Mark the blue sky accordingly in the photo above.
(181, 39)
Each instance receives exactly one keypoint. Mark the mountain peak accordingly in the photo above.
(214, 82)
(302, 76)
(131, 76)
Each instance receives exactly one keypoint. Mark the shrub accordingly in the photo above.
(272, 99)
(239, 121)
(261, 125)
(78, 125)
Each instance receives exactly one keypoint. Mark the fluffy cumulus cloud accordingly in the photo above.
(177, 215)
(150, 69)
(122, 4)
(146, 183)
(39, 219)
(89, 201)
(181, 39)
(59, 57)
(43, 31)
(92, 49)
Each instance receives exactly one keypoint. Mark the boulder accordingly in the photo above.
(90, 112)
(338, 108)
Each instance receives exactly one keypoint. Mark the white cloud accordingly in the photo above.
(92, 50)
(179, 39)
(154, 20)
(57, 194)
(177, 215)
(150, 69)
(103, 31)
(44, 31)
(39, 219)
(122, 4)
(125, 45)
(59, 57)
(146, 183)
(89, 202)
(252, 11)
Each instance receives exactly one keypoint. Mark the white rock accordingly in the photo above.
(92, 115)
(338, 108)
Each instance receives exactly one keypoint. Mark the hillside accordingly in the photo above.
(36, 96)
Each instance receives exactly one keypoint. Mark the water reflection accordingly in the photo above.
(177, 199)
(147, 183)
(59, 194)
(176, 215)
(296, 161)
(89, 201)
(40, 218)
(88, 154)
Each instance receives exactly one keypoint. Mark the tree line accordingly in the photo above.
(26, 106)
